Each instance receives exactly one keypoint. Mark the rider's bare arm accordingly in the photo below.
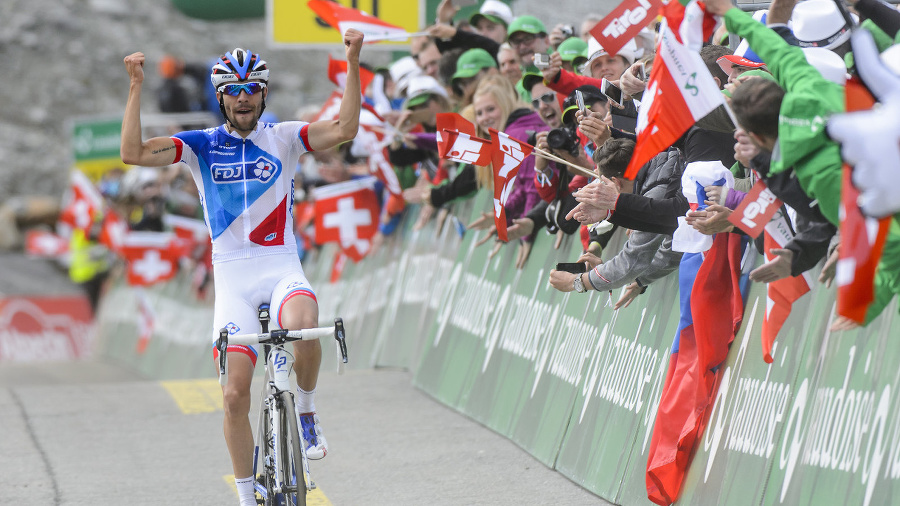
(326, 134)
(134, 151)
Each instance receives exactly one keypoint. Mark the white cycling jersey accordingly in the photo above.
(246, 186)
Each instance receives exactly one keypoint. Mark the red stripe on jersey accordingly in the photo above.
(304, 136)
(179, 147)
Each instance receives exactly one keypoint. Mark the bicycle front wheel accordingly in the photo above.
(291, 448)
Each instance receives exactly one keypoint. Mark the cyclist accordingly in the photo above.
(244, 171)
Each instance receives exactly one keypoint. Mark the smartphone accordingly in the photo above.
(612, 92)
(641, 74)
(541, 60)
(574, 268)
(463, 3)
(579, 99)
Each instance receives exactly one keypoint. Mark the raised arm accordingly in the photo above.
(327, 134)
(155, 152)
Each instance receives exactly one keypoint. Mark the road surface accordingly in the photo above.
(94, 434)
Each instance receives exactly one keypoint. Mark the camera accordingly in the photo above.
(541, 60)
(563, 139)
(567, 31)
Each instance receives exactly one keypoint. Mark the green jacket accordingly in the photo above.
(809, 101)
(803, 145)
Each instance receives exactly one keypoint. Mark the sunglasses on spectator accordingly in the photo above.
(236, 89)
(546, 98)
(521, 40)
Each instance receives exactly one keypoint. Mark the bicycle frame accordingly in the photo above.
(277, 414)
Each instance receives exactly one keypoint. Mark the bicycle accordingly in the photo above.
(278, 434)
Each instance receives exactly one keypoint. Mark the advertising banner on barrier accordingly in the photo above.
(609, 430)
(42, 329)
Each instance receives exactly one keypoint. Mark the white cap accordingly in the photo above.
(828, 63)
(402, 71)
(493, 8)
(402, 67)
(594, 50)
(424, 85)
(818, 23)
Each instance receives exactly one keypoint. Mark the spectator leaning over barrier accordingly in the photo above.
(527, 36)
(242, 227)
(644, 254)
(787, 118)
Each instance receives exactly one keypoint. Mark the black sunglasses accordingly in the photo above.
(546, 98)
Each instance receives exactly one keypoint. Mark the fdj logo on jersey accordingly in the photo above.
(261, 169)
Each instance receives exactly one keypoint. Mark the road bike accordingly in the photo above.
(280, 464)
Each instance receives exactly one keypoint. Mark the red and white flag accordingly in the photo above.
(862, 243)
(457, 140)
(113, 231)
(507, 155)
(781, 294)
(190, 229)
(373, 139)
(146, 320)
(344, 18)
(624, 23)
(331, 109)
(81, 203)
(337, 73)
(152, 257)
(680, 91)
(690, 22)
(347, 213)
(45, 244)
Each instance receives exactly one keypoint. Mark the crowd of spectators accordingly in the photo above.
(789, 61)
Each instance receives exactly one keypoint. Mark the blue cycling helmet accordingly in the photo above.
(239, 65)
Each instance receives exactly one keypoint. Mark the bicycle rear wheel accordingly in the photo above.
(291, 448)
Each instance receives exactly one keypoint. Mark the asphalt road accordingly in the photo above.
(94, 434)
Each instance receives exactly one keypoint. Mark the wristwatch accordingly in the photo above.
(578, 284)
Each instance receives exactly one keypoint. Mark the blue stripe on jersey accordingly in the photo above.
(235, 174)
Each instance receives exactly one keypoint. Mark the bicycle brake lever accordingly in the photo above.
(340, 337)
(221, 346)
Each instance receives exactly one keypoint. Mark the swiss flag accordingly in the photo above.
(81, 203)
(113, 231)
(344, 18)
(457, 140)
(152, 257)
(507, 155)
(781, 294)
(337, 73)
(680, 91)
(45, 244)
(373, 140)
(347, 213)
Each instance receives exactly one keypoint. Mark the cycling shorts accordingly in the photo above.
(243, 284)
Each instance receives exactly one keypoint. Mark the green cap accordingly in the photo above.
(471, 62)
(573, 48)
(527, 24)
(529, 80)
(418, 100)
